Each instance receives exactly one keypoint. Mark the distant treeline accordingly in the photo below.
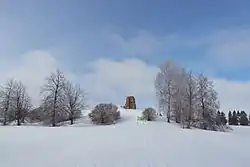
(238, 118)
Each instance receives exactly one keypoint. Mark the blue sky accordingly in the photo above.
(207, 36)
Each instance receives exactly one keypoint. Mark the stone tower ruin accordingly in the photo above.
(130, 102)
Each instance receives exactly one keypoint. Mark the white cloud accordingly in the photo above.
(229, 48)
(108, 80)
(114, 80)
(143, 44)
(222, 48)
(31, 68)
(233, 94)
(111, 81)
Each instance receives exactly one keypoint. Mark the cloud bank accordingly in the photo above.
(110, 81)
(106, 80)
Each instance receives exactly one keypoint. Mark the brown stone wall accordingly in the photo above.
(130, 102)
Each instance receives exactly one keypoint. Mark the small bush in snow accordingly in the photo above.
(104, 114)
(149, 114)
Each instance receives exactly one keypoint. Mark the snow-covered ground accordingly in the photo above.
(126, 144)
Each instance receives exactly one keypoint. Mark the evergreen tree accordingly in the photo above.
(218, 118)
(238, 116)
(230, 118)
(234, 118)
(223, 118)
(243, 118)
(249, 119)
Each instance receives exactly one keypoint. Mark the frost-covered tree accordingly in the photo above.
(15, 102)
(21, 102)
(37, 115)
(179, 103)
(104, 114)
(208, 102)
(164, 85)
(53, 97)
(6, 94)
(188, 98)
(191, 97)
(149, 114)
(74, 100)
(218, 118)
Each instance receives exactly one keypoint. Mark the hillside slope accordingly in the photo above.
(126, 144)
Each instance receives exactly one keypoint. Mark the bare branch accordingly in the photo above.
(74, 100)
(6, 92)
(53, 97)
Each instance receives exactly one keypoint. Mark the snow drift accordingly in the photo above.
(125, 144)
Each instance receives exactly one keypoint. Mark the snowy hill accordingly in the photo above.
(126, 144)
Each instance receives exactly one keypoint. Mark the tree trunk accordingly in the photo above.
(54, 108)
(71, 121)
(6, 109)
(5, 117)
(189, 110)
(54, 119)
(23, 120)
(169, 107)
(18, 115)
(18, 122)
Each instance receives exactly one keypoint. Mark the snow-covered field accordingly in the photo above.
(126, 144)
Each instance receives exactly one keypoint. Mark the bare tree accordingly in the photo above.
(179, 100)
(20, 102)
(53, 98)
(6, 93)
(74, 100)
(190, 96)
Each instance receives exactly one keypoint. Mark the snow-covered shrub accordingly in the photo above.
(210, 125)
(104, 114)
(224, 128)
(149, 114)
(43, 115)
